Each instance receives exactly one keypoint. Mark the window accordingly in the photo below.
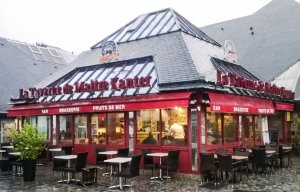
(65, 132)
(162, 126)
(275, 122)
(248, 129)
(148, 126)
(44, 126)
(174, 126)
(214, 127)
(98, 128)
(115, 128)
(80, 129)
(258, 128)
(231, 123)
(108, 129)
(31, 120)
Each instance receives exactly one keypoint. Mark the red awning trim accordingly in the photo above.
(128, 103)
(284, 106)
(226, 103)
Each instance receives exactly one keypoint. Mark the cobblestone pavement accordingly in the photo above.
(287, 179)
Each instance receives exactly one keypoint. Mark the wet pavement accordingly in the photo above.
(287, 179)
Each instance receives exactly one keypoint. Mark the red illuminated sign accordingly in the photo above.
(235, 81)
(115, 84)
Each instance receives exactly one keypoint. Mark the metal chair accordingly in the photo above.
(58, 164)
(207, 167)
(123, 152)
(100, 158)
(80, 164)
(148, 160)
(226, 164)
(172, 163)
(132, 171)
(261, 160)
(283, 155)
(244, 164)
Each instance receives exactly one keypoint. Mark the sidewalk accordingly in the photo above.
(283, 180)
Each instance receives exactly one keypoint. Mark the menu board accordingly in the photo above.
(274, 136)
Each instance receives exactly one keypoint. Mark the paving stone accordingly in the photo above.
(287, 179)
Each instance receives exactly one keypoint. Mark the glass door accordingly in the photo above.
(194, 139)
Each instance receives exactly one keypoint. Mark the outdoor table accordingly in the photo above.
(15, 153)
(268, 152)
(120, 161)
(286, 148)
(17, 171)
(55, 149)
(110, 154)
(8, 147)
(160, 155)
(235, 157)
(69, 158)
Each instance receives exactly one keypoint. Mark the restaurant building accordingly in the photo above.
(159, 82)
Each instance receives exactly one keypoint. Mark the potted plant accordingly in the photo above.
(30, 144)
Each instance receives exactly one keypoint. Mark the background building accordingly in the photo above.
(24, 65)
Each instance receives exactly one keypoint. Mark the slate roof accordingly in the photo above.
(227, 67)
(172, 59)
(18, 70)
(267, 42)
(121, 70)
(154, 24)
(45, 53)
(145, 36)
(181, 60)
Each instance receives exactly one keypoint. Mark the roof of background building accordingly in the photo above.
(267, 42)
(21, 67)
(45, 53)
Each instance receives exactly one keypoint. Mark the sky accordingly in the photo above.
(76, 25)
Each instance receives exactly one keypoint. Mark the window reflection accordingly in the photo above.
(43, 124)
(174, 122)
(214, 127)
(169, 125)
(231, 128)
(258, 129)
(108, 128)
(80, 125)
(65, 132)
(148, 126)
(248, 129)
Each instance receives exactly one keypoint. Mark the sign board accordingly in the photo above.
(274, 136)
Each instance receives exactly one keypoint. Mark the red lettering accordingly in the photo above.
(147, 81)
(79, 87)
(129, 83)
(122, 84)
(136, 81)
(113, 83)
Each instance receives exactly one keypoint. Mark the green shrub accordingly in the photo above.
(28, 141)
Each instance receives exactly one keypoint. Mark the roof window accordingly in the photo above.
(54, 53)
(35, 49)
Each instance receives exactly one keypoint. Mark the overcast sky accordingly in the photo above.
(76, 25)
